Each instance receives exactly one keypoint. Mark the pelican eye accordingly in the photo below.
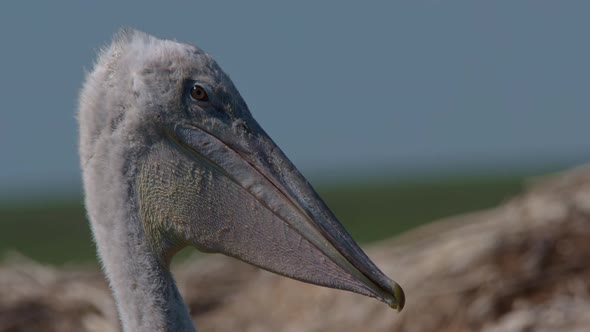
(199, 93)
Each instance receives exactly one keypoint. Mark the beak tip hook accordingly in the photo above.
(400, 298)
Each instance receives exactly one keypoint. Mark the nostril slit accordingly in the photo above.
(246, 128)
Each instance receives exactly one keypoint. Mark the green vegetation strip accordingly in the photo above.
(58, 232)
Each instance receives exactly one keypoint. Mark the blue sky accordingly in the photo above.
(381, 87)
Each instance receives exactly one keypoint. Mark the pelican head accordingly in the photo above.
(198, 170)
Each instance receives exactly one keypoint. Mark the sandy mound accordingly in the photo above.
(524, 266)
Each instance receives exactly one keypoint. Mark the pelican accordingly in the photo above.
(171, 157)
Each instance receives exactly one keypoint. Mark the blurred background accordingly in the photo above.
(399, 113)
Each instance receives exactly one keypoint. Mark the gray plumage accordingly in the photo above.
(172, 157)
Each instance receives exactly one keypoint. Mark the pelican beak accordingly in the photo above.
(267, 214)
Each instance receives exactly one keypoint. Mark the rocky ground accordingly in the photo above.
(523, 266)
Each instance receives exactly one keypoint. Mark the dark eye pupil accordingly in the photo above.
(198, 93)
